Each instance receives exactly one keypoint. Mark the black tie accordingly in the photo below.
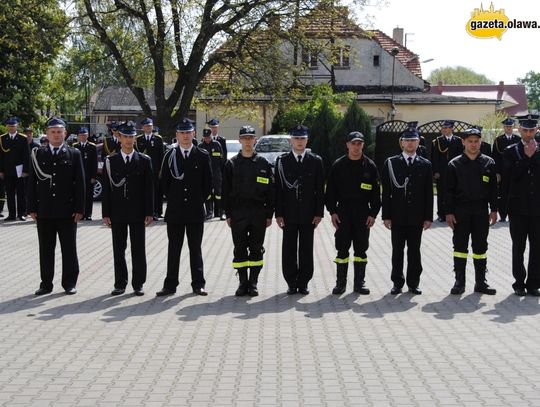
(186, 152)
(55, 151)
(409, 161)
(127, 159)
(299, 159)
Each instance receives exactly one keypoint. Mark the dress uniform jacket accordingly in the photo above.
(299, 188)
(412, 204)
(499, 145)
(155, 149)
(61, 193)
(132, 201)
(89, 158)
(521, 195)
(187, 185)
(223, 143)
(442, 152)
(13, 153)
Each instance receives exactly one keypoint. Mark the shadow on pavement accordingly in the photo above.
(84, 307)
(153, 306)
(451, 305)
(388, 304)
(512, 307)
(27, 302)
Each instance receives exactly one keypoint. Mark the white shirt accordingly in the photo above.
(182, 149)
(296, 155)
(148, 136)
(406, 156)
(124, 155)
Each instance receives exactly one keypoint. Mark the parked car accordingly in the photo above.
(233, 147)
(98, 186)
(272, 146)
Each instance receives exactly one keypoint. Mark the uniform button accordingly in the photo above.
(54, 164)
(54, 184)
(53, 194)
(185, 199)
(185, 189)
(54, 173)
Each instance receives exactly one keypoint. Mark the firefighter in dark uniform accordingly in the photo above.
(248, 201)
(353, 198)
(151, 144)
(407, 209)
(186, 177)
(499, 145)
(111, 144)
(89, 156)
(213, 148)
(56, 202)
(128, 203)
(443, 149)
(471, 188)
(14, 155)
(214, 127)
(299, 208)
(29, 133)
(521, 194)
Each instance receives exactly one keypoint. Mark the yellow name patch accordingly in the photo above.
(367, 187)
(485, 178)
(262, 180)
(216, 154)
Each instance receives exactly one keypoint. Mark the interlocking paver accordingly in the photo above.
(376, 350)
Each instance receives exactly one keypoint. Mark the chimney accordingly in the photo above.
(500, 90)
(439, 87)
(397, 35)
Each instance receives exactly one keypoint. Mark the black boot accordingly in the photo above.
(217, 208)
(481, 285)
(341, 279)
(252, 285)
(359, 276)
(459, 285)
(243, 287)
(209, 207)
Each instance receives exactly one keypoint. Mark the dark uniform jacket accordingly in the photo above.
(443, 151)
(223, 143)
(521, 181)
(109, 147)
(353, 187)
(33, 144)
(61, 195)
(134, 200)
(153, 148)
(499, 145)
(299, 188)
(248, 181)
(485, 148)
(89, 158)
(471, 183)
(13, 153)
(187, 194)
(413, 204)
(216, 158)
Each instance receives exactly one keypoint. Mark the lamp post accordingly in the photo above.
(394, 51)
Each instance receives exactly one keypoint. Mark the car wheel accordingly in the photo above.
(98, 189)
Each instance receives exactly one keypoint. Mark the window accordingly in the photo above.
(341, 57)
(375, 60)
(309, 57)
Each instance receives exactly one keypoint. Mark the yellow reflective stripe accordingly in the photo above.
(240, 264)
(216, 154)
(367, 187)
(209, 197)
(218, 197)
(359, 259)
(460, 255)
(263, 180)
(479, 256)
(256, 263)
(485, 178)
(341, 261)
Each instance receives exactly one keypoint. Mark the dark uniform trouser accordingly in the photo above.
(138, 254)
(352, 229)
(297, 253)
(474, 222)
(521, 228)
(88, 199)
(500, 204)
(66, 229)
(15, 187)
(248, 227)
(2, 195)
(412, 235)
(158, 197)
(175, 233)
(441, 188)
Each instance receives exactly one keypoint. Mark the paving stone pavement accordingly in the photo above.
(92, 349)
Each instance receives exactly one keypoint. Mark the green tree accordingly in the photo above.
(355, 119)
(32, 36)
(458, 75)
(532, 87)
(320, 130)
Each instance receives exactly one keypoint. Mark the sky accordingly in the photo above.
(437, 31)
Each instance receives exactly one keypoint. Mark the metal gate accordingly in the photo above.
(387, 140)
(432, 130)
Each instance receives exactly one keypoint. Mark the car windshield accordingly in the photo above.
(273, 145)
(233, 147)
